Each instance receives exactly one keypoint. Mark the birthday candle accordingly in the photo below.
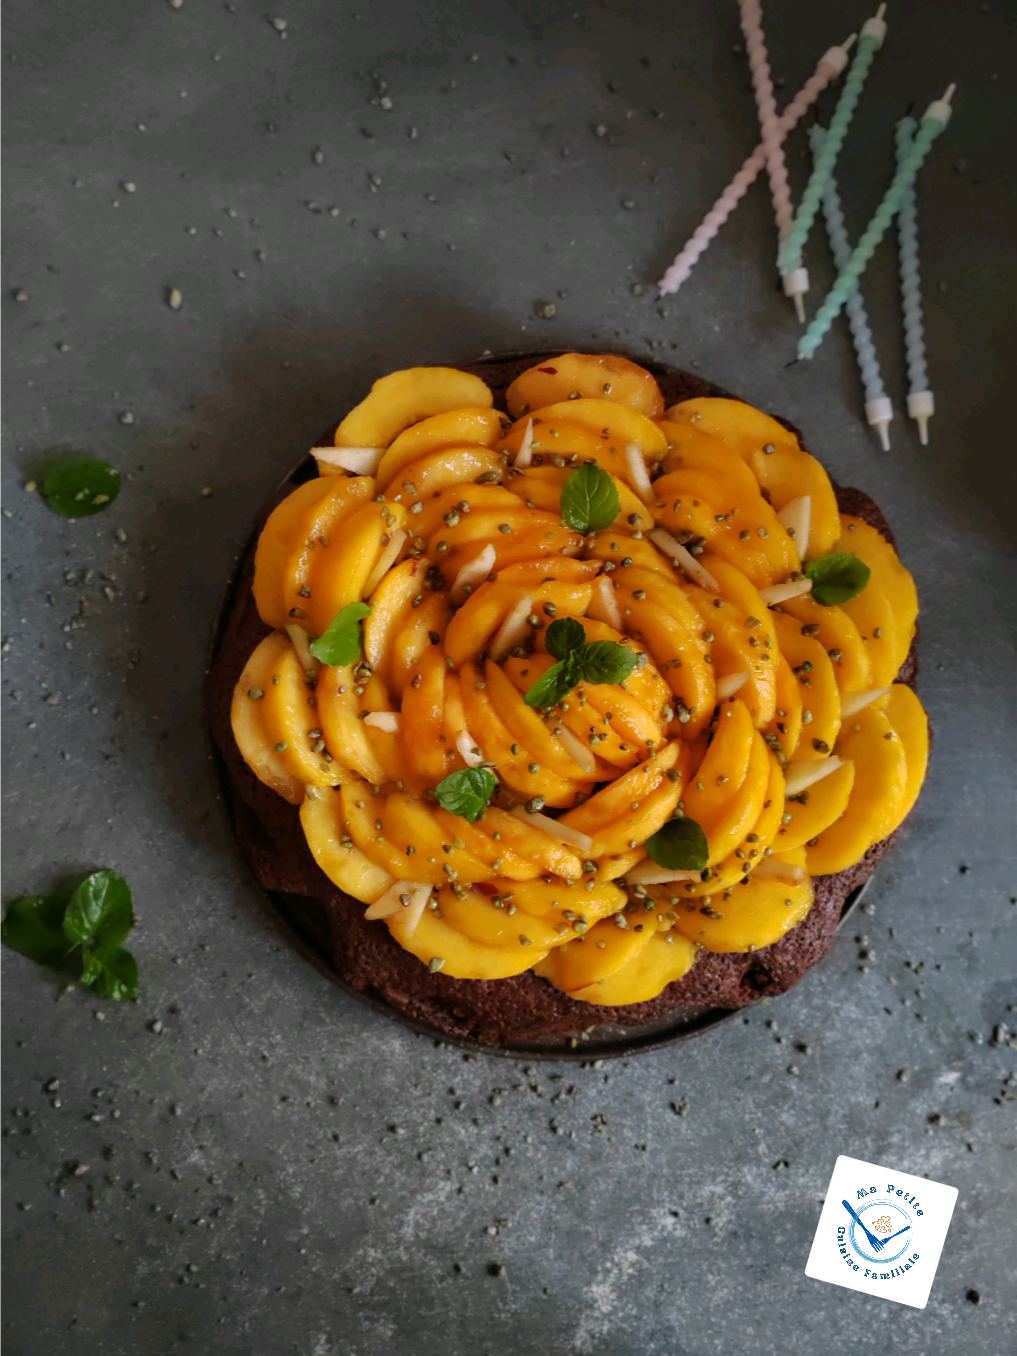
(921, 405)
(828, 68)
(936, 116)
(878, 409)
(773, 142)
(873, 32)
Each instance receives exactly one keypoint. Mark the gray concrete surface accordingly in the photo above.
(278, 1170)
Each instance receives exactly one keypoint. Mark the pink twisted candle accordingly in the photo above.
(828, 68)
(773, 142)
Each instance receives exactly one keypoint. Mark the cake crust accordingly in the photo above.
(523, 1008)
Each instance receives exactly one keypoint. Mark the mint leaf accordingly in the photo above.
(78, 487)
(100, 910)
(557, 682)
(343, 642)
(589, 500)
(96, 919)
(34, 926)
(467, 793)
(837, 578)
(565, 635)
(680, 845)
(605, 661)
(113, 972)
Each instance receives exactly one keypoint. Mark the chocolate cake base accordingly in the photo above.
(522, 1015)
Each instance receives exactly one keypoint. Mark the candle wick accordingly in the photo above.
(949, 94)
(848, 43)
(881, 11)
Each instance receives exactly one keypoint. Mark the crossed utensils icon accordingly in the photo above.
(878, 1243)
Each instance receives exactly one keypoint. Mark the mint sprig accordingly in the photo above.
(837, 578)
(589, 500)
(679, 845)
(343, 642)
(467, 792)
(603, 661)
(93, 922)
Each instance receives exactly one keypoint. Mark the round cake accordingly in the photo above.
(568, 693)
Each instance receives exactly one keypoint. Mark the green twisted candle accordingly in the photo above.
(937, 115)
(789, 256)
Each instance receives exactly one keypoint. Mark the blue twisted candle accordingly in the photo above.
(937, 115)
(920, 400)
(878, 409)
(789, 256)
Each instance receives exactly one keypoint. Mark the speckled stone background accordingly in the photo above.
(247, 1161)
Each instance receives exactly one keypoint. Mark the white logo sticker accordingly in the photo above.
(881, 1231)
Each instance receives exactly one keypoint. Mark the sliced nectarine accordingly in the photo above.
(839, 637)
(439, 945)
(599, 953)
(783, 468)
(877, 797)
(817, 687)
(758, 913)
(816, 809)
(343, 863)
(254, 738)
(340, 571)
(476, 917)
(603, 376)
(473, 425)
(740, 526)
(666, 957)
(911, 726)
(886, 609)
(406, 397)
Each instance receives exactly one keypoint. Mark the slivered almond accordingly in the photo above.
(673, 548)
(386, 559)
(468, 750)
(524, 457)
(780, 593)
(604, 605)
(799, 777)
(301, 644)
(636, 465)
(772, 869)
(392, 900)
(415, 908)
(561, 832)
(796, 516)
(853, 702)
(359, 461)
(472, 573)
(576, 749)
(727, 687)
(383, 720)
(513, 630)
